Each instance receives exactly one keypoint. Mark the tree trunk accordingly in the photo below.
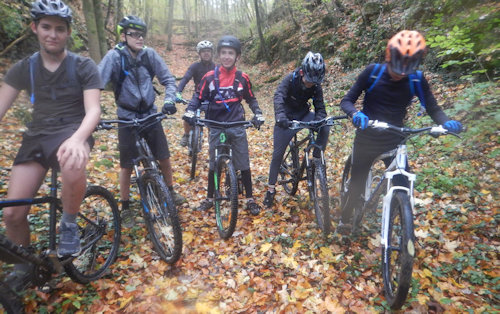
(103, 44)
(118, 16)
(170, 24)
(263, 47)
(196, 19)
(93, 37)
(290, 10)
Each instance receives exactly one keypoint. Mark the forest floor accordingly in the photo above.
(277, 261)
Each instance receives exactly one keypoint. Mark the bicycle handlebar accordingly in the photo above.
(317, 124)
(432, 130)
(107, 124)
(223, 125)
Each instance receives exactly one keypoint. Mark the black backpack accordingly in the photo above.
(238, 77)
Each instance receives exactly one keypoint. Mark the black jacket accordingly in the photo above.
(291, 99)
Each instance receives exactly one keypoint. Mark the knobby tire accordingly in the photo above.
(226, 197)
(397, 258)
(289, 171)
(10, 303)
(195, 149)
(99, 225)
(160, 215)
(320, 198)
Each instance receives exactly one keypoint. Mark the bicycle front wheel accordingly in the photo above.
(226, 197)
(99, 225)
(397, 257)
(289, 170)
(195, 149)
(320, 198)
(9, 302)
(161, 217)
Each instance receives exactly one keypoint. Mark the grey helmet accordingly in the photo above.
(204, 44)
(41, 8)
(313, 67)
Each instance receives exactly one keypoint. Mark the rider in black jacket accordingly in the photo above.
(196, 71)
(386, 101)
(292, 102)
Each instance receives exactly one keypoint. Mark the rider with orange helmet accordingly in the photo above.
(388, 95)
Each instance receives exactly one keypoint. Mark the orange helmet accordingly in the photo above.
(404, 52)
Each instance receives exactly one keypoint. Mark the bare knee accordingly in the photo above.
(15, 217)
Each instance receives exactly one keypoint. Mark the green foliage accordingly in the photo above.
(12, 24)
(466, 40)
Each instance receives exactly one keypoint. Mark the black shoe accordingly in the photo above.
(205, 205)
(269, 199)
(253, 207)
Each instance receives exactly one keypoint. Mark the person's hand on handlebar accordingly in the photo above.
(258, 119)
(283, 123)
(169, 107)
(453, 126)
(360, 120)
(189, 117)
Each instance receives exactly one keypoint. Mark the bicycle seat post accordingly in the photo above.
(51, 253)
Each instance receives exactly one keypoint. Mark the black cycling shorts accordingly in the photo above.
(43, 148)
(155, 137)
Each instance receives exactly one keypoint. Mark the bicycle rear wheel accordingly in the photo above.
(161, 217)
(320, 198)
(9, 301)
(226, 197)
(397, 257)
(289, 170)
(99, 224)
(195, 149)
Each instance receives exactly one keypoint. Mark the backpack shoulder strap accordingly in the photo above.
(415, 81)
(375, 75)
(71, 68)
(146, 62)
(33, 62)
(238, 77)
(124, 66)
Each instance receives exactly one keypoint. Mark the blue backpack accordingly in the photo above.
(415, 80)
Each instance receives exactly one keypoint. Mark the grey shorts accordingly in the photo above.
(43, 148)
(155, 137)
(237, 137)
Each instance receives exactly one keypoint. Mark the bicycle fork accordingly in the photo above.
(386, 208)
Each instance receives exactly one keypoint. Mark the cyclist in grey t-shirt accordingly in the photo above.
(66, 111)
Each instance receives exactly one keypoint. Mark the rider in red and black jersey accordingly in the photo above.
(224, 88)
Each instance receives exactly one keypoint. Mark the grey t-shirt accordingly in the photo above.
(58, 101)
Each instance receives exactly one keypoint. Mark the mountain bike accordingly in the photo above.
(195, 141)
(160, 212)
(292, 170)
(99, 225)
(227, 180)
(398, 238)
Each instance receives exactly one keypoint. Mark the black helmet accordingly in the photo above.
(231, 42)
(41, 8)
(133, 22)
(313, 67)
